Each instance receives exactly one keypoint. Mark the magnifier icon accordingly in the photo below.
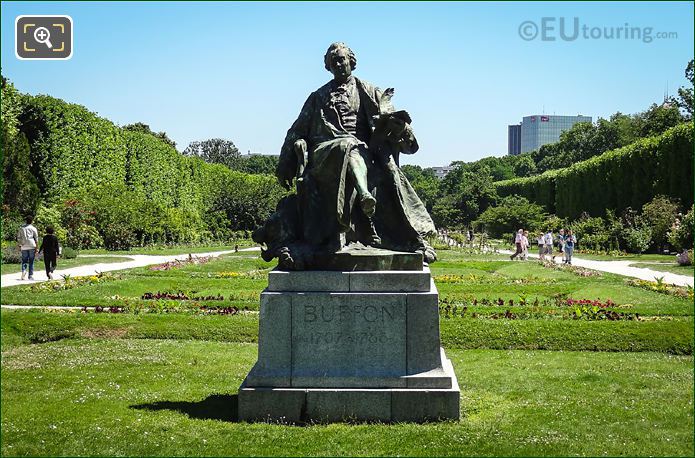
(42, 35)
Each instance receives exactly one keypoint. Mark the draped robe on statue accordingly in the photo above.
(336, 120)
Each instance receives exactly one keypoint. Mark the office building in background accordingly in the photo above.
(514, 140)
(538, 130)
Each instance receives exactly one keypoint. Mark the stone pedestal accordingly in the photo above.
(358, 345)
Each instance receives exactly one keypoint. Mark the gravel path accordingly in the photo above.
(623, 268)
(138, 260)
(614, 267)
(141, 260)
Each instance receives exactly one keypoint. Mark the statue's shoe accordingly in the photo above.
(368, 204)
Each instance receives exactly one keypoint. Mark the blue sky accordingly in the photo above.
(241, 71)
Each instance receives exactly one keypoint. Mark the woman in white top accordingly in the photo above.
(525, 245)
(541, 246)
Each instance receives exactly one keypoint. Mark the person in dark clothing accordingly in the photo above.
(51, 249)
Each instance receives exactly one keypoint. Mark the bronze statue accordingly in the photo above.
(343, 150)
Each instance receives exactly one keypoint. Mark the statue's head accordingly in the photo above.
(340, 60)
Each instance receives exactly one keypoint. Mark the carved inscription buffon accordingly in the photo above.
(344, 313)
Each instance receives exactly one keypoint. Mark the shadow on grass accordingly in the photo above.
(223, 407)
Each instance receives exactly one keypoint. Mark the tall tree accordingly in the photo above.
(685, 94)
(216, 151)
(660, 213)
(144, 128)
(524, 166)
(657, 119)
(19, 187)
(259, 164)
(464, 195)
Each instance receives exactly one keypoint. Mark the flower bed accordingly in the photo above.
(177, 263)
(664, 288)
(70, 282)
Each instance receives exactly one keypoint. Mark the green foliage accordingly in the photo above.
(657, 120)
(50, 216)
(553, 223)
(78, 222)
(69, 253)
(11, 222)
(253, 200)
(685, 93)
(154, 170)
(586, 140)
(257, 164)
(20, 190)
(144, 128)
(681, 237)
(9, 110)
(126, 187)
(500, 168)
(524, 166)
(512, 213)
(660, 214)
(466, 194)
(626, 177)
(638, 238)
(591, 232)
(539, 189)
(216, 151)
(11, 254)
(71, 148)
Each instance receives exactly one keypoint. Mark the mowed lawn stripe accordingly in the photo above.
(668, 336)
(166, 398)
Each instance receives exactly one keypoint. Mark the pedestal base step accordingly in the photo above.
(295, 405)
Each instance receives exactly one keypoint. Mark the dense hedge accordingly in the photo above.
(138, 185)
(626, 177)
(71, 148)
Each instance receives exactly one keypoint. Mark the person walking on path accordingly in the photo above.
(570, 241)
(517, 241)
(541, 246)
(51, 249)
(525, 245)
(560, 246)
(548, 238)
(28, 242)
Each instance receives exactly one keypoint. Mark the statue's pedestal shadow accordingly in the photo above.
(222, 407)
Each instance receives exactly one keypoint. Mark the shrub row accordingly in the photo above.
(626, 177)
(139, 187)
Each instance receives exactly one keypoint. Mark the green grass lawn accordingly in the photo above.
(538, 383)
(81, 260)
(112, 396)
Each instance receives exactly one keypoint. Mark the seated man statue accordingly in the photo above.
(343, 150)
